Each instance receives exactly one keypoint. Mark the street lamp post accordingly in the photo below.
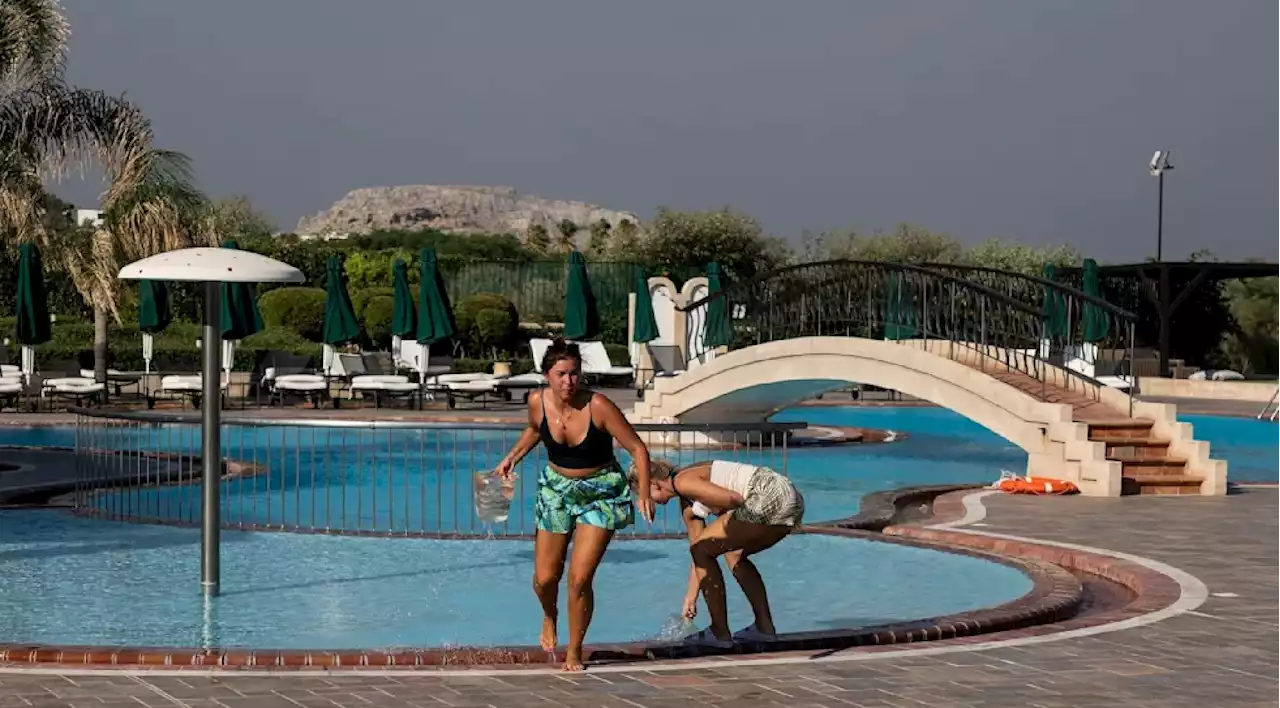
(1159, 165)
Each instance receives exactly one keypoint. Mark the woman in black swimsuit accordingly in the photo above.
(582, 492)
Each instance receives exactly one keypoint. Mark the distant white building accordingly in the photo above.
(88, 217)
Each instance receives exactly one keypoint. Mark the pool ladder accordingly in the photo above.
(1269, 411)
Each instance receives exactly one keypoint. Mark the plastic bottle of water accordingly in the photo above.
(493, 497)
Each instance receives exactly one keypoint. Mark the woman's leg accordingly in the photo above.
(725, 536)
(589, 544)
(548, 564)
(749, 579)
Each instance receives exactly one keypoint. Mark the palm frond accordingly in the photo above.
(55, 127)
(160, 211)
(33, 41)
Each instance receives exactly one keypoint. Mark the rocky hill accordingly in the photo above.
(450, 208)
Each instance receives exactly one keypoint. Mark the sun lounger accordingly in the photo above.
(11, 389)
(183, 387)
(468, 386)
(74, 388)
(312, 387)
(372, 375)
(596, 363)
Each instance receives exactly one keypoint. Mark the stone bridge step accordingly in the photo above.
(1154, 484)
(1142, 449)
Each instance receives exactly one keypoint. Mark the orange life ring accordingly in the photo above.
(1036, 485)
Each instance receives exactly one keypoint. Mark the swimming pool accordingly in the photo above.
(90, 581)
(70, 580)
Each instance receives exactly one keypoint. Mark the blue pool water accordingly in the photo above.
(77, 581)
(74, 580)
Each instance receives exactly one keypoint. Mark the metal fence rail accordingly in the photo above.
(386, 478)
(1017, 326)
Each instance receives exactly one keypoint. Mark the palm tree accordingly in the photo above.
(565, 237)
(48, 127)
(599, 243)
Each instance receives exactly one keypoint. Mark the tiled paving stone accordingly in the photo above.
(1222, 655)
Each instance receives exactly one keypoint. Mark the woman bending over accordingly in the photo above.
(582, 492)
(755, 508)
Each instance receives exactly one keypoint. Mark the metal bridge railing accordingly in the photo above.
(1013, 326)
(382, 478)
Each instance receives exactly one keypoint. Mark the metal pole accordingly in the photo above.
(210, 431)
(1160, 217)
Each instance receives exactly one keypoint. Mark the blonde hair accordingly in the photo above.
(659, 469)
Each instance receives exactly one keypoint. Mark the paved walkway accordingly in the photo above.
(1222, 654)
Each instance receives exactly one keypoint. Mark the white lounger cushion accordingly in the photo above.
(88, 373)
(531, 379)
(184, 383)
(72, 384)
(10, 386)
(473, 386)
(301, 382)
(446, 379)
(386, 382)
(595, 360)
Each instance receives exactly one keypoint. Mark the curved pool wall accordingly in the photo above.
(78, 581)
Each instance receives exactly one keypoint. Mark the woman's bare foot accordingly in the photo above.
(548, 639)
(573, 662)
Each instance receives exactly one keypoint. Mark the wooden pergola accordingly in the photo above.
(1156, 280)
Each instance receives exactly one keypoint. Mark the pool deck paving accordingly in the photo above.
(1222, 653)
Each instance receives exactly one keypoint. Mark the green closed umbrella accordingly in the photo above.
(899, 311)
(33, 303)
(435, 315)
(153, 316)
(153, 306)
(719, 332)
(340, 324)
(1095, 320)
(240, 315)
(404, 316)
(1055, 309)
(646, 325)
(581, 317)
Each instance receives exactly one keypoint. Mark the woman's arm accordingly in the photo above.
(695, 525)
(525, 443)
(620, 428)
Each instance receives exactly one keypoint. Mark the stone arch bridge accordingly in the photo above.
(1037, 362)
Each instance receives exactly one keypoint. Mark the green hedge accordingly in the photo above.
(301, 309)
(376, 316)
(176, 345)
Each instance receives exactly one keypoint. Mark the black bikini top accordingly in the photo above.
(595, 450)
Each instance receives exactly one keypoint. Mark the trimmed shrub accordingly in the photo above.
(376, 317)
(500, 328)
(618, 354)
(301, 309)
(360, 298)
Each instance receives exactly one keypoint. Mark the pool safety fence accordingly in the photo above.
(355, 477)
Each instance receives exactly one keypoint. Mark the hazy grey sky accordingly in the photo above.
(1025, 119)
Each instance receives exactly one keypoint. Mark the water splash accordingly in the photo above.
(676, 627)
(891, 435)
